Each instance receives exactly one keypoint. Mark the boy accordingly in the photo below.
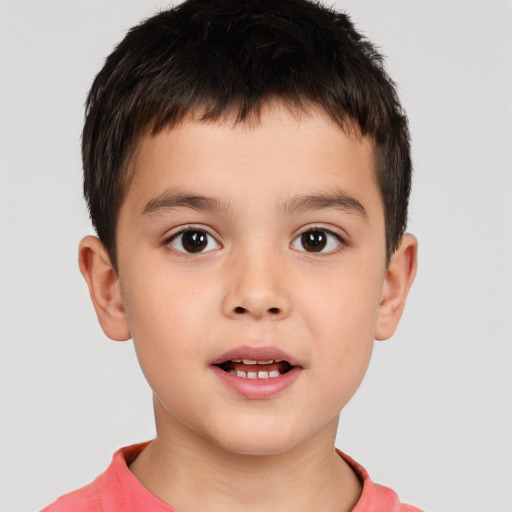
(247, 170)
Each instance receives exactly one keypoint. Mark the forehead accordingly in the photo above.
(279, 154)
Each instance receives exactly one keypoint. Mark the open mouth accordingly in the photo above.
(255, 369)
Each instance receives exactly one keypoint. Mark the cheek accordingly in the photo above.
(341, 318)
(343, 355)
(342, 305)
(162, 301)
(165, 321)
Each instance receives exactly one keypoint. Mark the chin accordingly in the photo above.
(258, 443)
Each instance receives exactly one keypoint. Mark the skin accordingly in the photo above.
(256, 285)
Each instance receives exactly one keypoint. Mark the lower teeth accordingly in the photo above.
(255, 375)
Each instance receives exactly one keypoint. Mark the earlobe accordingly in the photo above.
(396, 285)
(104, 288)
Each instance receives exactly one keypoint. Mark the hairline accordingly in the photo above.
(196, 114)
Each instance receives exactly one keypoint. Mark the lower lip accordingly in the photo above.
(257, 389)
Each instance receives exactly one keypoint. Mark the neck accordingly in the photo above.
(186, 471)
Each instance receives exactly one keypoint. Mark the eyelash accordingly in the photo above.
(190, 229)
(339, 241)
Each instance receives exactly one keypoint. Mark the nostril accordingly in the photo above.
(240, 310)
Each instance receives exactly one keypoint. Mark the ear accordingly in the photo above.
(395, 287)
(104, 288)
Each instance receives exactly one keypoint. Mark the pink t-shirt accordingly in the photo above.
(117, 490)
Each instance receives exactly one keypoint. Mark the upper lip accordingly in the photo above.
(263, 353)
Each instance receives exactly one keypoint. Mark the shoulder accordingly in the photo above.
(384, 499)
(375, 497)
(85, 499)
(114, 489)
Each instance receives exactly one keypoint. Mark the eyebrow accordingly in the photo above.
(175, 199)
(169, 200)
(339, 200)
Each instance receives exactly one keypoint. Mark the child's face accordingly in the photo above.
(283, 257)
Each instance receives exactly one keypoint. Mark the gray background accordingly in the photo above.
(433, 418)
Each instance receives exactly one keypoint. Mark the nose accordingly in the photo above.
(256, 288)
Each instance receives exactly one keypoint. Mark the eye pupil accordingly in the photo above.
(194, 241)
(313, 241)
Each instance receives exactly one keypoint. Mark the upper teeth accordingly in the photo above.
(253, 361)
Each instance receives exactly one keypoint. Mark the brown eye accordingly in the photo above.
(317, 240)
(194, 241)
(313, 241)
